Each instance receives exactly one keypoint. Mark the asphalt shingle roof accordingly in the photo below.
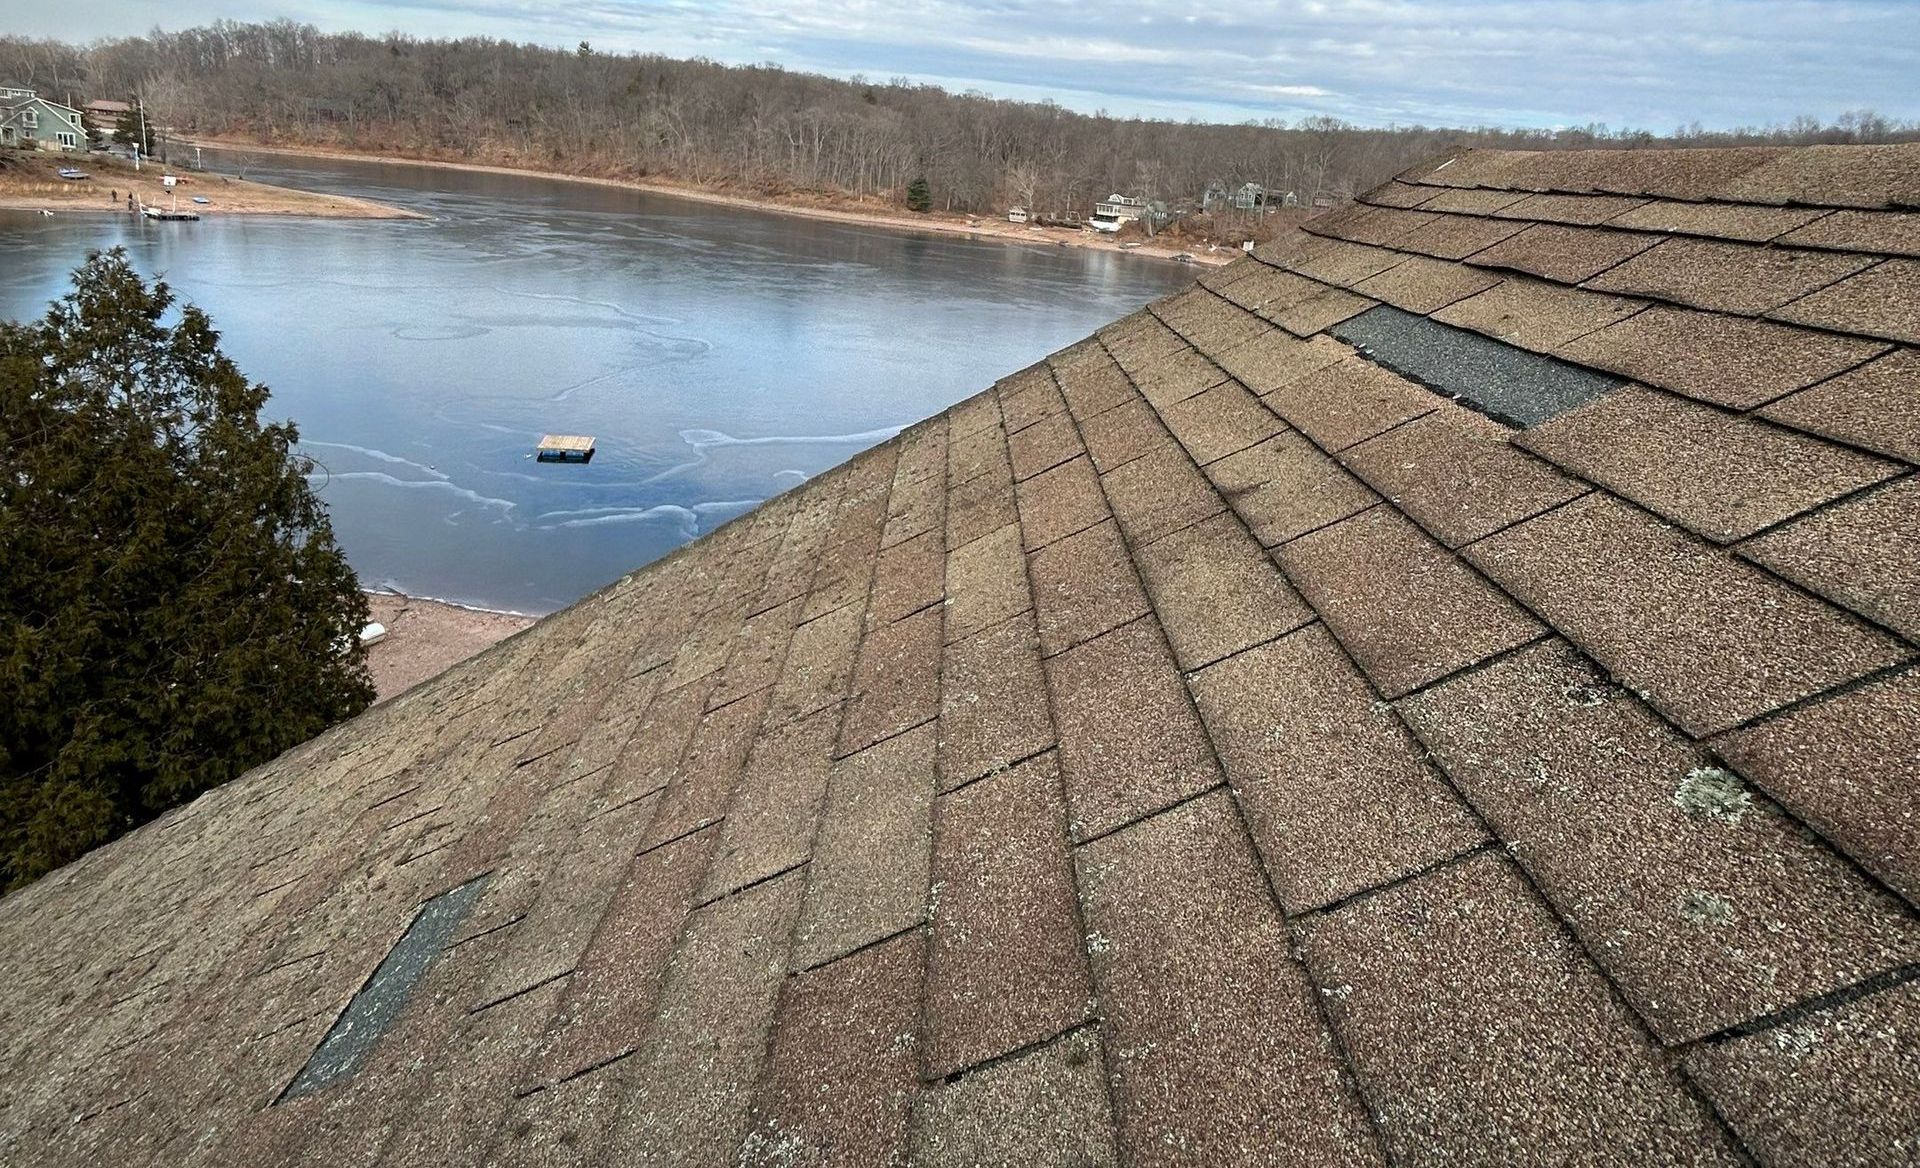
(1206, 746)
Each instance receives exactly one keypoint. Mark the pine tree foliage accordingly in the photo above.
(173, 606)
(919, 195)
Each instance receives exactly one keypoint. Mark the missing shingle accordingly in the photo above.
(373, 1010)
(1507, 383)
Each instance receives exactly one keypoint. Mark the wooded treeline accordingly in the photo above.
(759, 128)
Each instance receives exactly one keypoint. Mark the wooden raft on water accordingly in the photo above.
(565, 448)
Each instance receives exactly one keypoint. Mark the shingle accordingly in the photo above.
(1845, 765)
(1844, 176)
(868, 878)
(1720, 475)
(1268, 362)
(1409, 610)
(1034, 400)
(1047, 1108)
(1723, 359)
(1007, 967)
(1564, 254)
(1706, 905)
(1177, 377)
(1458, 475)
(1350, 402)
(1219, 1053)
(1320, 312)
(1212, 324)
(1141, 343)
(1220, 421)
(1368, 224)
(1438, 985)
(1271, 288)
(982, 504)
(1720, 220)
(840, 1079)
(993, 701)
(1047, 443)
(1470, 202)
(1129, 742)
(1455, 237)
(1727, 277)
(1332, 785)
(1060, 502)
(609, 1001)
(1098, 387)
(819, 666)
(1159, 493)
(1123, 434)
(1084, 585)
(653, 752)
(770, 823)
(709, 771)
(1709, 640)
(1863, 553)
(1876, 406)
(1216, 592)
(693, 1085)
(1537, 315)
(981, 452)
(1881, 302)
(986, 583)
(914, 507)
(896, 683)
(1334, 261)
(972, 415)
(1286, 487)
(1879, 232)
(1398, 194)
(906, 578)
(1425, 285)
(1833, 1088)
(1584, 210)
(561, 1127)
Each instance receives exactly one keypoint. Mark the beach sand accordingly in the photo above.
(426, 637)
(867, 216)
(30, 181)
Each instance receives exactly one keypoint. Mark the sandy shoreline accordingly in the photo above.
(941, 224)
(427, 637)
(31, 182)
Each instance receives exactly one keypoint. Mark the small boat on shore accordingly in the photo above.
(72, 175)
(170, 215)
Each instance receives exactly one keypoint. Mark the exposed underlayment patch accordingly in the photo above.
(1508, 383)
(373, 1010)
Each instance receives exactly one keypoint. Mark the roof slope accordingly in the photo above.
(1208, 745)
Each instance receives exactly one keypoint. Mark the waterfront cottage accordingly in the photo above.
(1439, 690)
(27, 119)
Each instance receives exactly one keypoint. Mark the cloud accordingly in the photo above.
(1646, 63)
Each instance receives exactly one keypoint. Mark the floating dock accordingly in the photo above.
(565, 448)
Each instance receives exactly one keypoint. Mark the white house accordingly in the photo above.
(1016, 214)
(29, 119)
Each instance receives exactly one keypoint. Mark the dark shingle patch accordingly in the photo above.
(1507, 382)
(377, 1006)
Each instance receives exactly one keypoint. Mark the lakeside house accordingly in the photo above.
(105, 113)
(1124, 208)
(27, 119)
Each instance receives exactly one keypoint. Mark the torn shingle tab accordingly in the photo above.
(1501, 380)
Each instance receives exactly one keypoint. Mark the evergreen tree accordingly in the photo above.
(919, 195)
(173, 607)
(127, 132)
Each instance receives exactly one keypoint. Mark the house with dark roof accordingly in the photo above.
(1440, 690)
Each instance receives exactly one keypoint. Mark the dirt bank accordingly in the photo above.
(30, 181)
(426, 637)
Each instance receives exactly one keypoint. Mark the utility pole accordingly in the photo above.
(140, 145)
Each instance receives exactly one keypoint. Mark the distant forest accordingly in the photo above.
(754, 128)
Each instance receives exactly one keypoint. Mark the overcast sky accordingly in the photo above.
(1644, 63)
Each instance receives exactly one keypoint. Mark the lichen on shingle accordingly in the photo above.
(1713, 793)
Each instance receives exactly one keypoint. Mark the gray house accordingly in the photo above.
(29, 119)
